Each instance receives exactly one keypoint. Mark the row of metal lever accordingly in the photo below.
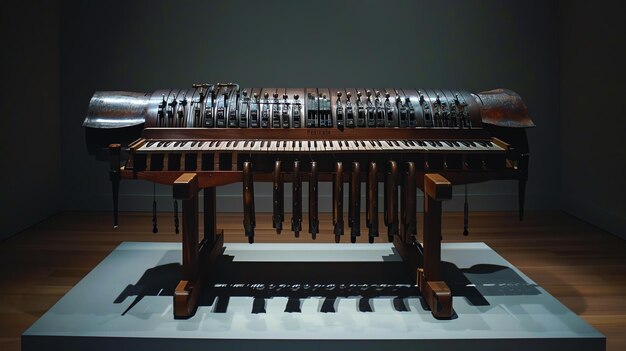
(392, 222)
(391, 219)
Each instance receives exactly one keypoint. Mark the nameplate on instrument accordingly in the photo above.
(318, 132)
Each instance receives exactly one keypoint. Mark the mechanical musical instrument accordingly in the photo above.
(407, 139)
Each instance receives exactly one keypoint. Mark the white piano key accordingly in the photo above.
(334, 145)
(383, 145)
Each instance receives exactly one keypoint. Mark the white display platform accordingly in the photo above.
(350, 297)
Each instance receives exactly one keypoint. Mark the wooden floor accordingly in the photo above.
(584, 267)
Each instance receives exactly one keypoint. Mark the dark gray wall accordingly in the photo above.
(30, 131)
(593, 124)
(146, 45)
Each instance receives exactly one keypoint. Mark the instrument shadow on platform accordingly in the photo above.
(331, 281)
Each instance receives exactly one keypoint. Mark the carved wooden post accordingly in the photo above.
(186, 189)
(430, 278)
(185, 296)
(198, 257)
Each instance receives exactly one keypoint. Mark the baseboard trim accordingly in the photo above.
(613, 223)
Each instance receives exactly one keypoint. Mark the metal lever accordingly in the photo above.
(296, 218)
(338, 201)
(354, 220)
(155, 229)
(371, 202)
(391, 200)
(409, 215)
(278, 198)
(249, 221)
(176, 222)
(313, 211)
(465, 215)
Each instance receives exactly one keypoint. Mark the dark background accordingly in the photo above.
(564, 58)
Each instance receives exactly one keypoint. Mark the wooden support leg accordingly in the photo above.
(429, 277)
(196, 256)
(115, 152)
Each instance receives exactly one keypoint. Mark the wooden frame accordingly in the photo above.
(422, 260)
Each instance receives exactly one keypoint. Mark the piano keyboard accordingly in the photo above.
(312, 146)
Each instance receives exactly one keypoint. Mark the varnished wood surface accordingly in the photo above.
(313, 133)
(582, 266)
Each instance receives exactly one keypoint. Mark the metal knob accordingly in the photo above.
(348, 94)
(266, 95)
(275, 95)
(285, 96)
(296, 96)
